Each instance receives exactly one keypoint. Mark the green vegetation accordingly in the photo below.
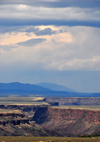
(47, 139)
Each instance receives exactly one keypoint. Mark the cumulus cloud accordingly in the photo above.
(60, 37)
(76, 49)
(14, 37)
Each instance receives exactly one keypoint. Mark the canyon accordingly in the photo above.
(17, 124)
(68, 122)
(51, 118)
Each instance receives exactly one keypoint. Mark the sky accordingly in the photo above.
(54, 41)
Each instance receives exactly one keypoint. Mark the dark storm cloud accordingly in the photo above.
(55, 3)
(31, 42)
(24, 14)
(38, 22)
(36, 31)
(47, 31)
(10, 29)
(32, 29)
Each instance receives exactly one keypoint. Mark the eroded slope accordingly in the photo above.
(16, 124)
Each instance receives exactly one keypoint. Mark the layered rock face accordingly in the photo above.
(28, 110)
(16, 124)
(74, 100)
(48, 121)
(13, 118)
(68, 122)
(21, 107)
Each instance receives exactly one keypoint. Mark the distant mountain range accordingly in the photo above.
(55, 87)
(41, 89)
(21, 86)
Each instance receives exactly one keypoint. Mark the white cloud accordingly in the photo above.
(14, 37)
(30, 12)
(76, 49)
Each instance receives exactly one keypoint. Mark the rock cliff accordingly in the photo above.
(16, 124)
(13, 118)
(68, 122)
(74, 100)
(48, 121)
(28, 110)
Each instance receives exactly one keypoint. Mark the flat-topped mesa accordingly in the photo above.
(68, 122)
(74, 100)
